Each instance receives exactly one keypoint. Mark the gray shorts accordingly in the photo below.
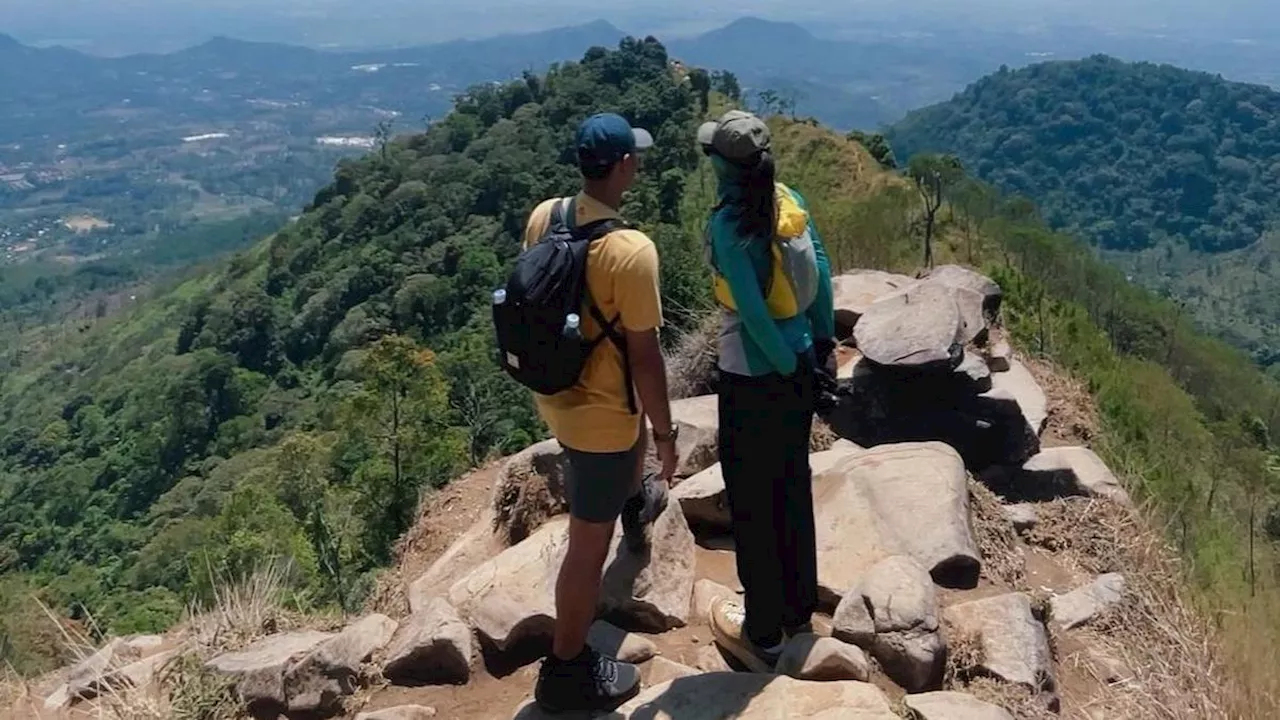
(599, 484)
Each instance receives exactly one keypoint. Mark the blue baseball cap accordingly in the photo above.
(606, 138)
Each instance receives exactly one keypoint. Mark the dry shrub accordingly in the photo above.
(1155, 631)
(964, 655)
(1002, 558)
(530, 490)
(691, 365)
(196, 692)
(822, 437)
(1020, 701)
(242, 611)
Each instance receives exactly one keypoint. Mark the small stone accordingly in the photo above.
(1082, 605)
(1078, 469)
(1015, 646)
(810, 657)
(852, 622)
(620, 644)
(1024, 516)
(999, 356)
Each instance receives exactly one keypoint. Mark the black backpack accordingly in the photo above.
(548, 284)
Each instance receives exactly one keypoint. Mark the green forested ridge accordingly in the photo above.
(294, 403)
(1172, 173)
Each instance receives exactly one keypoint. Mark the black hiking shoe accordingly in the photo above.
(590, 682)
(641, 510)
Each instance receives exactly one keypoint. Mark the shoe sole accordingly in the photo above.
(739, 651)
(586, 714)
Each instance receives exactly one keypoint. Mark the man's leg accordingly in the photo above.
(578, 585)
(575, 676)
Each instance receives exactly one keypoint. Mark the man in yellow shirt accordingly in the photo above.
(596, 421)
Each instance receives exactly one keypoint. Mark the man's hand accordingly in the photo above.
(667, 455)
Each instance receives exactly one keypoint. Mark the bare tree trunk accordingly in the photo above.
(1253, 575)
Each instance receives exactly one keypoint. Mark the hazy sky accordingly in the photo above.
(130, 25)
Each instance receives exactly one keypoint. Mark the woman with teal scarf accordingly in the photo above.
(773, 285)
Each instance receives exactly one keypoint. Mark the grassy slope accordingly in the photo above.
(1171, 439)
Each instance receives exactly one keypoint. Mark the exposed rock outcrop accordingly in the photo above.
(331, 671)
(954, 706)
(810, 657)
(910, 499)
(259, 670)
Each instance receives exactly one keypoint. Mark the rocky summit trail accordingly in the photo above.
(941, 599)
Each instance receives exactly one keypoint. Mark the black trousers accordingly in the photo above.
(764, 452)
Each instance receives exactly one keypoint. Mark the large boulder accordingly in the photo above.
(1083, 605)
(1014, 644)
(138, 675)
(258, 671)
(331, 671)
(431, 646)
(973, 322)
(704, 501)
(963, 278)
(854, 292)
(910, 499)
(620, 644)
(810, 657)
(697, 447)
(1019, 383)
(973, 371)
(918, 328)
(889, 405)
(512, 596)
(903, 604)
(660, 670)
(706, 504)
(1077, 470)
(953, 706)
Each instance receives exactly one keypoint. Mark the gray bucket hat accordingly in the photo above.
(737, 136)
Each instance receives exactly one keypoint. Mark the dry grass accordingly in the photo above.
(523, 500)
(691, 365)
(1073, 419)
(196, 693)
(1155, 631)
(1002, 557)
(241, 612)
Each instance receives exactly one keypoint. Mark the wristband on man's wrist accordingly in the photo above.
(668, 436)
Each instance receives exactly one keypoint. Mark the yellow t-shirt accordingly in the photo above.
(622, 279)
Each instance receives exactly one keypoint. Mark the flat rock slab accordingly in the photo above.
(810, 657)
(660, 670)
(512, 596)
(403, 712)
(910, 499)
(1082, 605)
(480, 543)
(749, 696)
(854, 292)
(954, 706)
(1076, 469)
(1015, 646)
(1019, 383)
(917, 328)
(259, 669)
(331, 671)
(432, 646)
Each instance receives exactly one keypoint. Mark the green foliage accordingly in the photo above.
(878, 146)
(1128, 155)
(286, 408)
